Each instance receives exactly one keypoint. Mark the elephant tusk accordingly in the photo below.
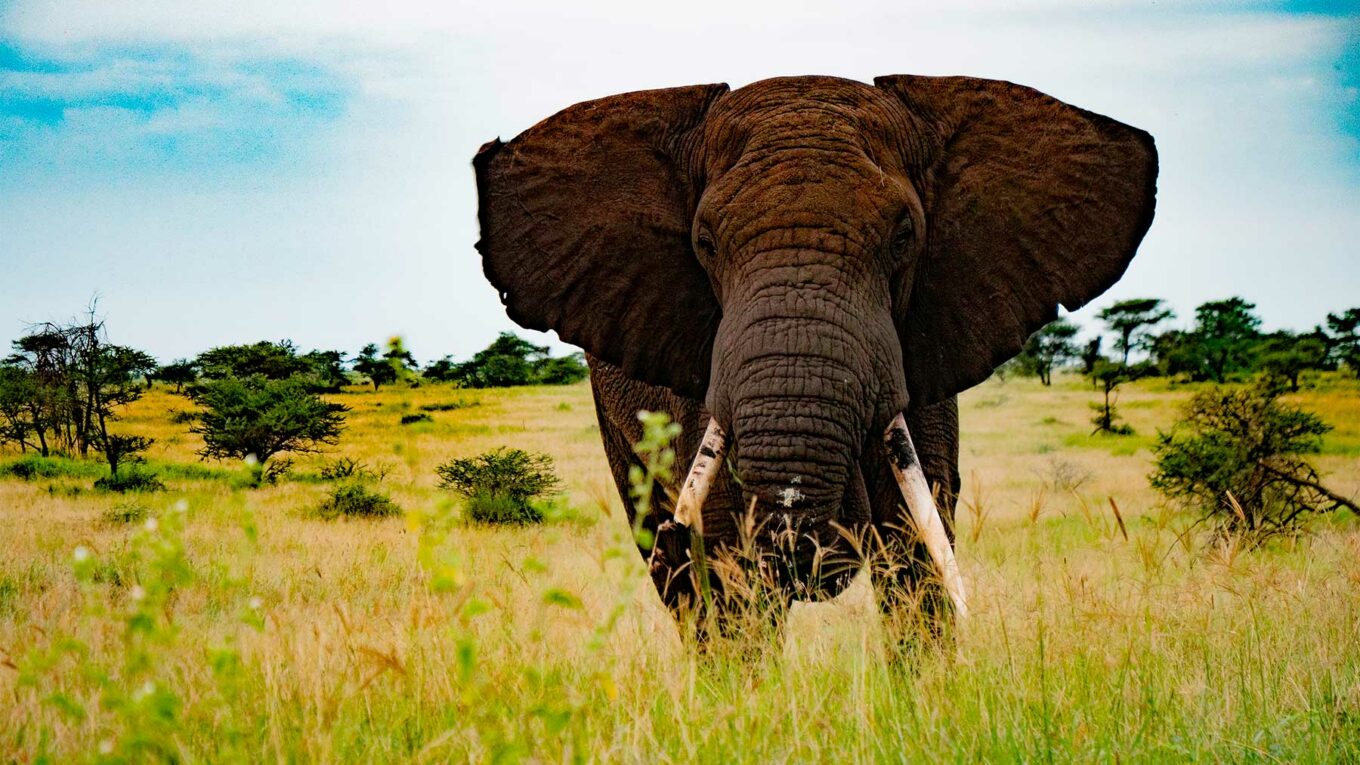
(916, 491)
(689, 507)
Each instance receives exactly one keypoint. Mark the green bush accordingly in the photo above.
(412, 419)
(125, 513)
(498, 510)
(1237, 455)
(355, 500)
(499, 485)
(131, 478)
(348, 468)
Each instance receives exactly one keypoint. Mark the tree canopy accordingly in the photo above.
(508, 361)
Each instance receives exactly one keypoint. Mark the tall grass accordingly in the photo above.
(267, 635)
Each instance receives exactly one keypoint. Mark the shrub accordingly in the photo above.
(130, 478)
(1237, 456)
(447, 406)
(500, 484)
(271, 472)
(497, 510)
(412, 419)
(355, 499)
(347, 468)
(125, 513)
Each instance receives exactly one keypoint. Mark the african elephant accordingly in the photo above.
(789, 268)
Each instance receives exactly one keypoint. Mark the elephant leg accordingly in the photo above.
(618, 399)
(915, 607)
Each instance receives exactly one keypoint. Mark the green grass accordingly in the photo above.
(237, 628)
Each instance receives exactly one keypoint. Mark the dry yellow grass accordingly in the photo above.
(1085, 645)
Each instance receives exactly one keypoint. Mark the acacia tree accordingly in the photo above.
(1285, 356)
(1226, 332)
(376, 368)
(1053, 345)
(178, 373)
(511, 360)
(256, 417)
(19, 411)
(112, 383)
(1132, 322)
(74, 381)
(323, 371)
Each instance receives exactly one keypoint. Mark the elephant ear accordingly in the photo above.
(585, 230)
(1030, 203)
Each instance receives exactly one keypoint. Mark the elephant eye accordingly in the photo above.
(704, 244)
(904, 234)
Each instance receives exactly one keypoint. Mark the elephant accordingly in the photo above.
(792, 270)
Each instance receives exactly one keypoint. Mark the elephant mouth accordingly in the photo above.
(911, 481)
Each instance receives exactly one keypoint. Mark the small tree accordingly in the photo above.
(508, 361)
(1227, 331)
(1237, 454)
(75, 381)
(1051, 346)
(561, 370)
(178, 373)
(1343, 337)
(1132, 322)
(1285, 356)
(322, 371)
(441, 370)
(1177, 352)
(370, 365)
(1108, 376)
(18, 396)
(122, 451)
(500, 484)
(274, 361)
(260, 418)
(1090, 356)
(395, 363)
(327, 369)
(511, 360)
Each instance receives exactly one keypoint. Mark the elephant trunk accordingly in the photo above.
(806, 371)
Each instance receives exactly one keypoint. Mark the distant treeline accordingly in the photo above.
(63, 383)
(1224, 343)
(508, 361)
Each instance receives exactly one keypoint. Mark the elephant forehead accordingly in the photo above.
(813, 112)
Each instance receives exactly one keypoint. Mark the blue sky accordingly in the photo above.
(223, 173)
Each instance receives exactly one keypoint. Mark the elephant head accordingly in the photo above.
(810, 254)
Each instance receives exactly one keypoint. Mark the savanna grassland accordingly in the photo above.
(214, 622)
